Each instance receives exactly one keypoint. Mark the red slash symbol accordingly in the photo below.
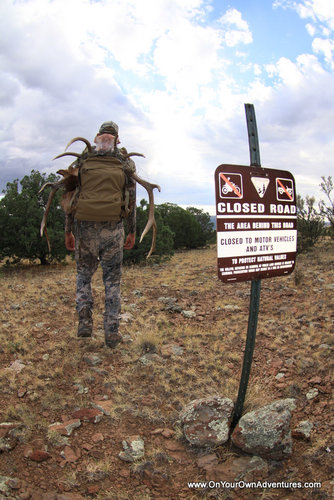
(231, 186)
(285, 190)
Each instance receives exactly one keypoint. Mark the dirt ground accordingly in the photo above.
(184, 335)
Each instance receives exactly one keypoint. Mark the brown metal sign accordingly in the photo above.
(256, 222)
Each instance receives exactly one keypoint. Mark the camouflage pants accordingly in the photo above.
(100, 242)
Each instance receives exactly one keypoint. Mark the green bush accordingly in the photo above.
(22, 209)
(164, 242)
(21, 212)
(310, 224)
(327, 211)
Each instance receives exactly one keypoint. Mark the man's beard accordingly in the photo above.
(105, 143)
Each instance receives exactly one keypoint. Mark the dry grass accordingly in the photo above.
(39, 329)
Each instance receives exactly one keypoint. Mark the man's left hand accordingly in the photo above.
(130, 241)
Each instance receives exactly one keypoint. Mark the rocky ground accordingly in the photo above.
(78, 420)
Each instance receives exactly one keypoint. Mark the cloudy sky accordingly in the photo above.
(174, 74)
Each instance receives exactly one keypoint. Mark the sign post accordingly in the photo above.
(254, 152)
(256, 232)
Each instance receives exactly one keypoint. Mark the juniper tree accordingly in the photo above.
(21, 212)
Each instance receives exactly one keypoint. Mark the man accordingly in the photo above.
(106, 195)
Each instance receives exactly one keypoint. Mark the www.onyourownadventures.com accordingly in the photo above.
(253, 484)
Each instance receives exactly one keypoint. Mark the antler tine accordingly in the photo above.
(86, 141)
(151, 220)
(56, 185)
(53, 191)
(67, 154)
(133, 154)
(47, 239)
(154, 238)
(47, 184)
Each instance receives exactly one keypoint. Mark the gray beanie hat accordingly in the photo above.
(109, 128)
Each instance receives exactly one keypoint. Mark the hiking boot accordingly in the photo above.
(85, 327)
(111, 334)
(113, 339)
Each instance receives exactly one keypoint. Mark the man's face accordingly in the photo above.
(105, 142)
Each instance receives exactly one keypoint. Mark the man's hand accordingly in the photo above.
(70, 242)
(130, 241)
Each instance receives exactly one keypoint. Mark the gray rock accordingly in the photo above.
(134, 449)
(167, 300)
(126, 317)
(189, 314)
(303, 430)
(81, 389)
(65, 428)
(3, 486)
(231, 307)
(17, 366)
(170, 304)
(7, 444)
(312, 393)
(172, 350)
(9, 435)
(206, 421)
(149, 358)
(92, 359)
(266, 431)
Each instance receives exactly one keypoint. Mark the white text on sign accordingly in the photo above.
(254, 208)
(254, 243)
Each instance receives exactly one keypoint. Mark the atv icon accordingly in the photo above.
(281, 190)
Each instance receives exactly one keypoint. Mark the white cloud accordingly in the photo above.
(187, 55)
(311, 29)
(321, 27)
(323, 10)
(166, 71)
(326, 47)
(237, 30)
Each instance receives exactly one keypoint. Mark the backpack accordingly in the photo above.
(102, 191)
(77, 192)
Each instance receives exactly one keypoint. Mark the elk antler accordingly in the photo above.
(55, 187)
(67, 154)
(69, 182)
(86, 141)
(151, 220)
(133, 154)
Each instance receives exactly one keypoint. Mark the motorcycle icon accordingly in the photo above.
(227, 187)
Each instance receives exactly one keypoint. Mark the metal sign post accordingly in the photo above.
(256, 232)
(254, 305)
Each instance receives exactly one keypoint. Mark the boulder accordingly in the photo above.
(206, 422)
(266, 431)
